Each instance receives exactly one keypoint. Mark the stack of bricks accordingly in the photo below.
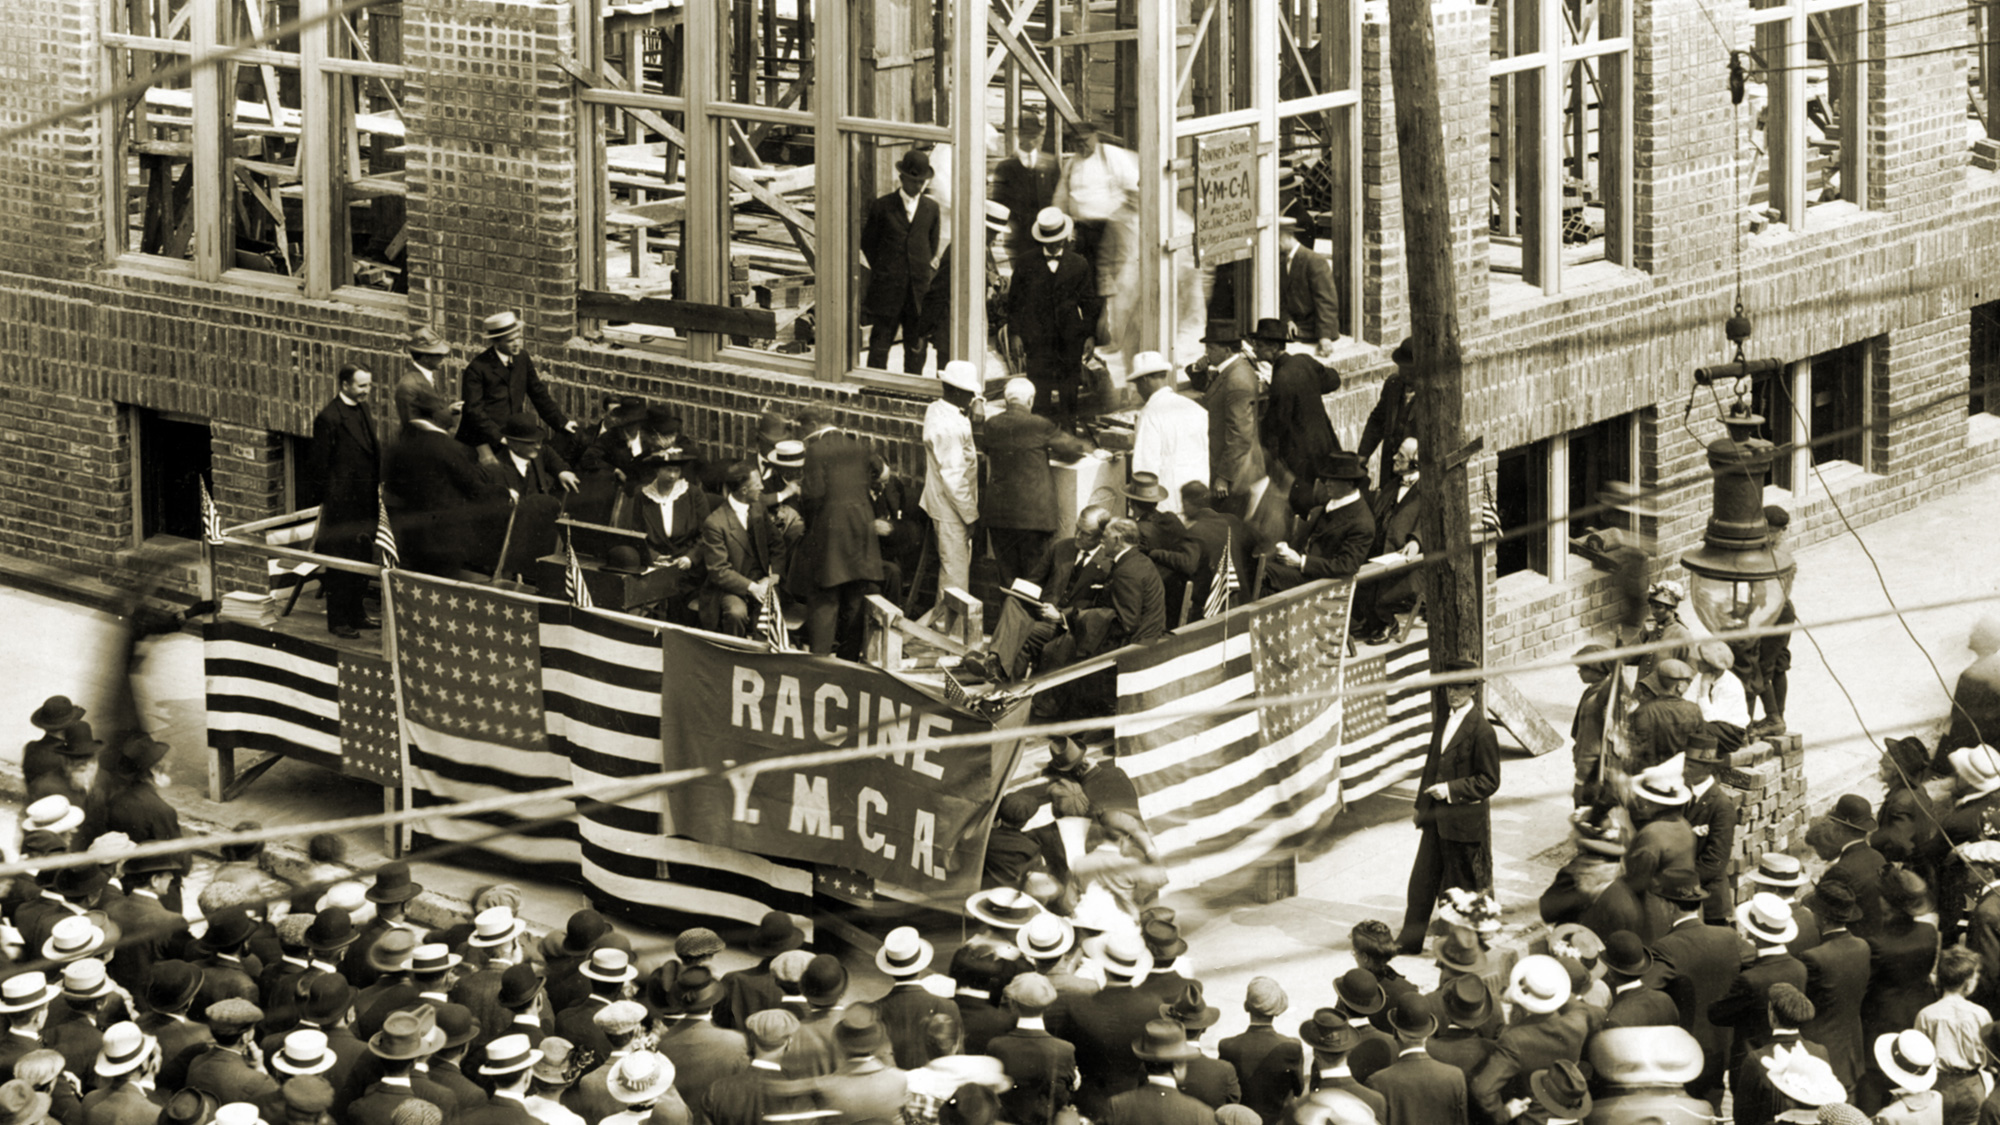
(1770, 778)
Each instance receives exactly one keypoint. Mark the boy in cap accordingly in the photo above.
(224, 1069)
(761, 1093)
(1042, 1066)
(1757, 1102)
(1270, 1066)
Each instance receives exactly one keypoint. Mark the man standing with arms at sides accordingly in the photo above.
(345, 468)
(951, 474)
(1025, 182)
(500, 382)
(1235, 455)
(1461, 773)
(1306, 293)
(1019, 504)
(1052, 307)
(901, 241)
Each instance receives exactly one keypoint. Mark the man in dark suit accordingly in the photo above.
(1461, 772)
(839, 562)
(1296, 428)
(428, 353)
(1542, 1034)
(510, 1061)
(1398, 516)
(1214, 532)
(1307, 295)
(530, 466)
(1712, 816)
(700, 1051)
(224, 1069)
(1336, 537)
(1229, 392)
(1756, 1100)
(1766, 922)
(901, 240)
(1837, 982)
(1465, 1005)
(1700, 963)
(737, 550)
(1419, 1089)
(1333, 1037)
(1041, 1066)
(150, 931)
(1052, 308)
(1393, 418)
(1017, 504)
(345, 471)
(1163, 1053)
(1628, 972)
(500, 382)
(441, 503)
(1270, 1066)
(1131, 608)
(1840, 836)
(1212, 1082)
(1068, 565)
(1103, 1025)
(1025, 182)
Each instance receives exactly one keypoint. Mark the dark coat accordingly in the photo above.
(1296, 428)
(1900, 960)
(1471, 766)
(1064, 582)
(1270, 1068)
(1757, 1102)
(1235, 451)
(1020, 490)
(1212, 1082)
(1712, 816)
(1420, 1090)
(499, 1111)
(903, 1012)
(180, 1042)
(578, 1024)
(702, 1053)
(229, 1076)
(1642, 1006)
(1347, 1082)
(747, 992)
(495, 391)
(149, 930)
(1533, 1043)
(901, 252)
(1102, 1026)
(1054, 313)
(1699, 964)
(440, 500)
(1392, 420)
(123, 1104)
(1307, 296)
(1024, 189)
(746, 1098)
(1745, 1007)
(1153, 1104)
(840, 543)
(1042, 1068)
(539, 480)
(1134, 591)
(1861, 866)
(736, 556)
(1837, 985)
(983, 1021)
(1336, 543)
(140, 812)
(691, 511)
(344, 467)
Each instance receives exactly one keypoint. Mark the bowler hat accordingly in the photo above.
(1329, 1031)
(1341, 466)
(915, 162)
(499, 324)
(522, 426)
(79, 883)
(824, 981)
(859, 1031)
(519, 985)
(79, 742)
(1562, 1089)
(409, 1034)
(229, 929)
(56, 712)
(1466, 1001)
(326, 997)
(1458, 665)
(1190, 1010)
(1145, 488)
(776, 933)
(331, 930)
(458, 1024)
(1853, 811)
(1626, 954)
(392, 884)
(623, 559)
(1052, 225)
(172, 985)
(1680, 886)
(1411, 1015)
(1404, 354)
(1223, 332)
(1270, 330)
(426, 341)
(1163, 1040)
(1360, 992)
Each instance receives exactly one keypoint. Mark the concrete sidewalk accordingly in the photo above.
(1935, 553)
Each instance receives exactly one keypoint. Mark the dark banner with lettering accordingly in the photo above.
(908, 816)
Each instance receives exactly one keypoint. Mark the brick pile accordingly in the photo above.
(1770, 779)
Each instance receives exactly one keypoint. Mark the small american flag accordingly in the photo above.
(1489, 513)
(954, 692)
(1225, 581)
(211, 519)
(573, 584)
(385, 536)
(772, 622)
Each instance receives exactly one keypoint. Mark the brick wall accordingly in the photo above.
(1770, 783)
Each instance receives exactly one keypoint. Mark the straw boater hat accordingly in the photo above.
(787, 454)
(1539, 983)
(904, 953)
(1767, 918)
(1051, 225)
(1045, 936)
(85, 979)
(53, 813)
(1665, 784)
(499, 324)
(126, 1048)
(1004, 908)
(610, 965)
(494, 926)
(24, 992)
(1977, 767)
(640, 1078)
(1776, 869)
(1123, 955)
(304, 1051)
(509, 1054)
(73, 937)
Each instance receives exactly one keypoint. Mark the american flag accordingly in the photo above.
(772, 622)
(1386, 734)
(385, 536)
(506, 694)
(1223, 790)
(1488, 515)
(574, 586)
(280, 694)
(1225, 581)
(211, 518)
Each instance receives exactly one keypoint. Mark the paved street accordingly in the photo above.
(1933, 554)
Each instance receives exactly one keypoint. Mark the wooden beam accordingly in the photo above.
(691, 316)
(1032, 63)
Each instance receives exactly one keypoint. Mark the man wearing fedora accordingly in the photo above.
(169, 991)
(150, 931)
(1018, 504)
(1837, 970)
(1307, 296)
(1025, 182)
(1699, 963)
(951, 473)
(125, 1068)
(344, 476)
(442, 505)
(1163, 1053)
(700, 1051)
(1052, 307)
(500, 382)
(1712, 815)
(1335, 538)
(1296, 428)
(1171, 439)
(1418, 1088)
(901, 240)
(1461, 773)
(1332, 1036)
(406, 1039)
(44, 754)
(428, 352)
(1212, 1082)
(1230, 390)
(1840, 836)
(749, 991)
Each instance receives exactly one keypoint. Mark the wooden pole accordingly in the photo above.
(1451, 585)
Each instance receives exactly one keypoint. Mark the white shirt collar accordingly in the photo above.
(1340, 1071)
(1166, 1080)
(742, 510)
(1706, 784)
(1031, 1023)
(520, 462)
(429, 373)
(344, 397)
(1336, 505)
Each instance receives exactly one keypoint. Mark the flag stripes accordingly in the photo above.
(1387, 735)
(272, 693)
(211, 516)
(385, 535)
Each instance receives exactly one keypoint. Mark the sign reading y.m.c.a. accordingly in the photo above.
(1225, 215)
(895, 814)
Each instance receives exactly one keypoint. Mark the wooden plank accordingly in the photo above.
(692, 316)
(1032, 64)
(1506, 704)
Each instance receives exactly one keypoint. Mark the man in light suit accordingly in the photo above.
(500, 382)
(736, 546)
(1306, 293)
(1235, 453)
(901, 240)
(1461, 773)
(345, 469)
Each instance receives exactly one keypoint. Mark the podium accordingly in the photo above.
(609, 589)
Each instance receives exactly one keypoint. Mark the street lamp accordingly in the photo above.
(1738, 580)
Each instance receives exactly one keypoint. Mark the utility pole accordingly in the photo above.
(1450, 585)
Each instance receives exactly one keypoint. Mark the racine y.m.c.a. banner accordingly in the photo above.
(906, 815)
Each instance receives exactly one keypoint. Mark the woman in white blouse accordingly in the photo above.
(670, 510)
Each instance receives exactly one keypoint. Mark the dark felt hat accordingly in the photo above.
(1190, 1009)
(331, 930)
(1834, 901)
(1271, 330)
(1680, 886)
(623, 559)
(824, 981)
(1329, 1031)
(915, 162)
(1146, 488)
(522, 426)
(1222, 332)
(56, 712)
(82, 882)
(1624, 953)
(228, 930)
(1163, 1040)
(1163, 939)
(1360, 992)
(585, 929)
(859, 1031)
(697, 990)
(326, 997)
(626, 412)
(1340, 466)
(1458, 949)
(1411, 1015)
(1466, 1001)
(409, 1034)
(142, 753)
(458, 1024)
(1562, 1089)
(1853, 811)
(188, 1107)
(78, 742)
(519, 986)
(172, 985)
(776, 933)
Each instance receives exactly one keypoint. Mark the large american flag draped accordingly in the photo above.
(1387, 734)
(1222, 790)
(507, 694)
(287, 695)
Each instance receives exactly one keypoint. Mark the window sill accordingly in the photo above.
(146, 268)
(1821, 218)
(1508, 296)
(1982, 429)
(1522, 584)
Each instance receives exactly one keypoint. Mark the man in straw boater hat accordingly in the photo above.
(126, 1065)
(1766, 923)
(1541, 1034)
(1782, 875)
(1052, 308)
(1461, 773)
(902, 238)
(1909, 1060)
(903, 1011)
(501, 382)
(509, 1066)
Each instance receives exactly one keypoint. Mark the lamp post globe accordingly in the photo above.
(1737, 579)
